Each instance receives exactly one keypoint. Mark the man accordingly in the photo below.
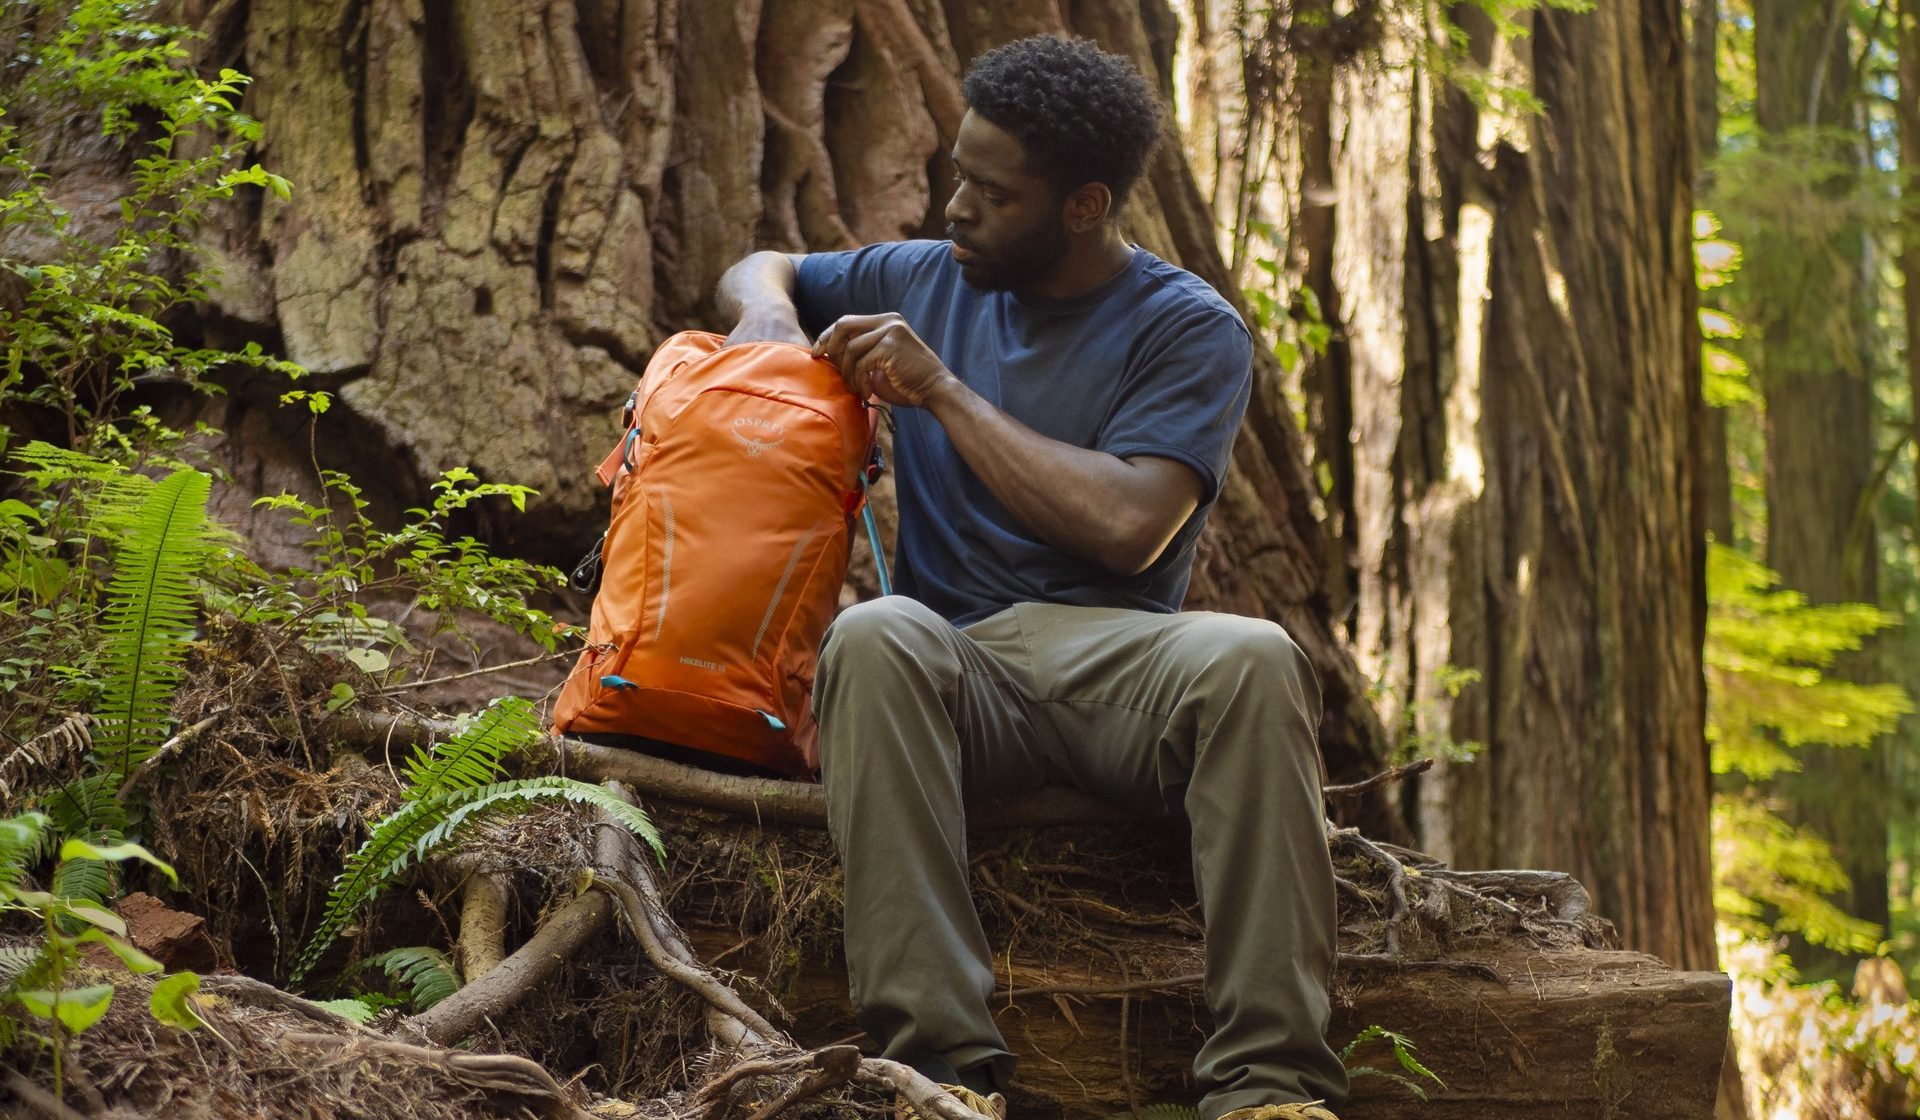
(1066, 406)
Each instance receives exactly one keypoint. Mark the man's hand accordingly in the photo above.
(880, 356)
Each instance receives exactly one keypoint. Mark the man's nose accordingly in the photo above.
(959, 210)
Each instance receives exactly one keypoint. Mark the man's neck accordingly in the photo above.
(1089, 262)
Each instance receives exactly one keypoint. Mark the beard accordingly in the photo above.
(1025, 259)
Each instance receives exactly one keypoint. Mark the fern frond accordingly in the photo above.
(23, 841)
(353, 1010)
(149, 618)
(117, 493)
(16, 961)
(88, 880)
(473, 757)
(88, 807)
(413, 831)
(428, 972)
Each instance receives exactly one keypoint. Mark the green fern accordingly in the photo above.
(428, 972)
(476, 756)
(149, 619)
(451, 785)
(1402, 1053)
(353, 1010)
(23, 841)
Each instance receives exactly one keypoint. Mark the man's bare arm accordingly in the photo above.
(1118, 513)
(757, 295)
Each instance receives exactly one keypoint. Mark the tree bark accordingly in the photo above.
(500, 207)
(1518, 304)
(1820, 439)
(1717, 480)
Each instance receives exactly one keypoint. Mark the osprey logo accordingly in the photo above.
(754, 444)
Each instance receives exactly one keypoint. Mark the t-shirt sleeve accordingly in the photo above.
(864, 281)
(1186, 401)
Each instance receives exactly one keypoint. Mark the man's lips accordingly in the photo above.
(963, 254)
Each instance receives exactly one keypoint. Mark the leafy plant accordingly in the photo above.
(35, 981)
(1410, 1067)
(355, 562)
(91, 323)
(1768, 694)
(450, 785)
(427, 972)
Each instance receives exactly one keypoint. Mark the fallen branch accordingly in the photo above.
(766, 799)
(409, 686)
(167, 749)
(256, 993)
(1384, 777)
(826, 1068)
(493, 1073)
(39, 1099)
(557, 939)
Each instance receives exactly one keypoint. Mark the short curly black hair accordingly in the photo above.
(1083, 115)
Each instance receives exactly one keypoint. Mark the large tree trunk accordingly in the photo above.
(1704, 15)
(1517, 300)
(1820, 439)
(500, 207)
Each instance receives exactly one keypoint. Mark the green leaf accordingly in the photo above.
(358, 1011)
(96, 915)
(134, 959)
(428, 972)
(81, 849)
(171, 1003)
(77, 1008)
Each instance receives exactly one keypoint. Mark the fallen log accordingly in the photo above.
(1511, 990)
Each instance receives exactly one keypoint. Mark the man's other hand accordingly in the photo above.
(880, 356)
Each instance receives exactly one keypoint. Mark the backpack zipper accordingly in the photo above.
(780, 588)
(666, 566)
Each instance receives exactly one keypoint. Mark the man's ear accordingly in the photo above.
(1086, 207)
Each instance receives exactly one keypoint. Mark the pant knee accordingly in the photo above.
(1257, 659)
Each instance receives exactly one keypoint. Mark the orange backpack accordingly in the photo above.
(734, 490)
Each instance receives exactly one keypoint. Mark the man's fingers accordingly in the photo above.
(832, 342)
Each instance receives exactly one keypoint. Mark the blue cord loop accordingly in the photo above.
(867, 478)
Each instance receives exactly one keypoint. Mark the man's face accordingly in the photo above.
(1007, 224)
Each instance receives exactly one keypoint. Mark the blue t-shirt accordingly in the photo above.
(1152, 362)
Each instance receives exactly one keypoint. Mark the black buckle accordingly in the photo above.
(586, 574)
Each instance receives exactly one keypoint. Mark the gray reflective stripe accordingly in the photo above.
(666, 566)
(781, 587)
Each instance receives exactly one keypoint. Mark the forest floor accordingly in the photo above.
(708, 984)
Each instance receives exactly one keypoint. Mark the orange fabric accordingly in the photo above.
(732, 489)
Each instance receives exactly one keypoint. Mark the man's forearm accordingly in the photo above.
(756, 295)
(1085, 503)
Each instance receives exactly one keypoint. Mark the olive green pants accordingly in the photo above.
(1209, 715)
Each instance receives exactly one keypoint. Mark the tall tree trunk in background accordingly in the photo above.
(501, 206)
(1820, 439)
(1908, 112)
(1518, 299)
(1717, 475)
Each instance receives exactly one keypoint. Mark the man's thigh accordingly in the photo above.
(1124, 696)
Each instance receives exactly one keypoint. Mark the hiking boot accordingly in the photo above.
(1308, 1111)
(993, 1106)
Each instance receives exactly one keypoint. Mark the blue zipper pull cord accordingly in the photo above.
(873, 534)
(616, 683)
(772, 721)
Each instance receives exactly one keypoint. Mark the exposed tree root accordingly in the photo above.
(483, 923)
(558, 938)
(491, 1073)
